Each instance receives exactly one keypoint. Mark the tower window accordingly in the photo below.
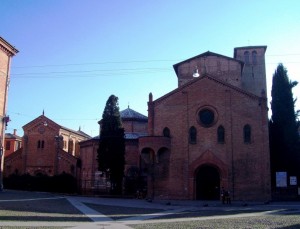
(221, 134)
(166, 132)
(247, 134)
(254, 57)
(192, 135)
(246, 57)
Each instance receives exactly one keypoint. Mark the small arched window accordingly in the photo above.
(254, 57)
(71, 146)
(40, 144)
(246, 57)
(193, 135)
(166, 132)
(221, 134)
(247, 134)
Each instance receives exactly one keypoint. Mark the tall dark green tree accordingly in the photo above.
(111, 151)
(284, 137)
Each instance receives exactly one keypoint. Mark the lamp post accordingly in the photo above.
(1, 170)
(58, 138)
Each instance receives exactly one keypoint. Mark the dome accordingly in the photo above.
(129, 114)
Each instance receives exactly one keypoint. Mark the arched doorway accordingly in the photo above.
(207, 183)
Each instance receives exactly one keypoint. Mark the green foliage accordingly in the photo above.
(284, 138)
(111, 152)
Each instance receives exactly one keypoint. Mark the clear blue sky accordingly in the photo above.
(75, 54)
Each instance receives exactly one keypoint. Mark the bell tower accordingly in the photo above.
(254, 70)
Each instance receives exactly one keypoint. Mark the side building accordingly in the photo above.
(7, 51)
(48, 149)
(92, 181)
(12, 143)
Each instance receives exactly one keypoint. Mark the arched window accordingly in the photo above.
(221, 134)
(193, 135)
(246, 57)
(247, 134)
(166, 132)
(40, 144)
(71, 146)
(254, 57)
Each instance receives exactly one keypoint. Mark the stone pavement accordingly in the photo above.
(99, 220)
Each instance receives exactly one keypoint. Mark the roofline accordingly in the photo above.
(201, 78)
(135, 119)
(126, 118)
(75, 132)
(208, 53)
(40, 117)
(249, 47)
(60, 126)
(11, 49)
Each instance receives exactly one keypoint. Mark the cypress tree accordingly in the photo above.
(111, 151)
(284, 137)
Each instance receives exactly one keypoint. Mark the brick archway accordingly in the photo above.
(208, 159)
(207, 182)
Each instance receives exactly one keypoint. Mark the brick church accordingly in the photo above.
(212, 131)
(47, 149)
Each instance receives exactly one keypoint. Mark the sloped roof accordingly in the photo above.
(129, 114)
(12, 136)
(207, 76)
(127, 136)
(132, 135)
(8, 47)
(79, 132)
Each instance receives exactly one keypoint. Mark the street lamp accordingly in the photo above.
(58, 138)
(1, 170)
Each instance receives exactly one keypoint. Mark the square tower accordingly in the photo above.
(254, 70)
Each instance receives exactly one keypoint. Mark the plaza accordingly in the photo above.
(20, 209)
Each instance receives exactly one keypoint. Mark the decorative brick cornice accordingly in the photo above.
(7, 48)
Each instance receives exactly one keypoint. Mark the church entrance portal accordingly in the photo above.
(207, 183)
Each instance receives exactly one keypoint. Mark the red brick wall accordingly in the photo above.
(42, 150)
(246, 164)
(135, 126)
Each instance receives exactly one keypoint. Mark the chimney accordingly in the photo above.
(15, 131)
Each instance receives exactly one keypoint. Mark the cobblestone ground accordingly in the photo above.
(20, 209)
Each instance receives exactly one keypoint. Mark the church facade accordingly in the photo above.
(47, 149)
(212, 131)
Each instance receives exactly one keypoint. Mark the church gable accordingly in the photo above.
(40, 125)
(200, 85)
(221, 67)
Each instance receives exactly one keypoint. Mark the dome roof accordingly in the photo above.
(129, 114)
